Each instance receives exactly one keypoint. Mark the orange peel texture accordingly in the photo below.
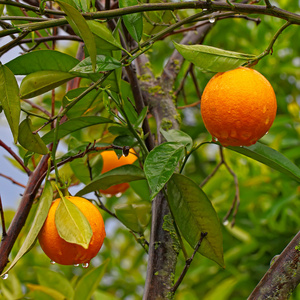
(238, 107)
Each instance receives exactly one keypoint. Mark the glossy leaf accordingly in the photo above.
(74, 125)
(103, 63)
(118, 175)
(212, 59)
(87, 284)
(29, 140)
(79, 24)
(40, 82)
(10, 100)
(271, 158)
(42, 60)
(71, 224)
(161, 163)
(50, 279)
(135, 216)
(106, 40)
(194, 213)
(133, 22)
(39, 219)
(174, 135)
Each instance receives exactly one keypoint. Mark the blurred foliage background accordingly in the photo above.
(269, 213)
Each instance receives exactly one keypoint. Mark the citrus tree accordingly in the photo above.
(103, 103)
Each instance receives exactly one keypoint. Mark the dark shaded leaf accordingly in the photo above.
(194, 213)
(271, 158)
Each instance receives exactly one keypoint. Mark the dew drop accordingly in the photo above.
(85, 265)
(5, 276)
(204, 9)
(212, 20)
(76, 265)
(226, 222)
(52, 262)
(118, 195)
(267, 132)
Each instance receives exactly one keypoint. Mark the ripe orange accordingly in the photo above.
(63, 252)
(111, 161)
(238, 107)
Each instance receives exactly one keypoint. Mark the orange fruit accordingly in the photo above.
(63, 252)
(111, 161)
(238, 107)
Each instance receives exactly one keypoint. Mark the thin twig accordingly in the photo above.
(236, 201)
(12, 180)
(194, 78)
(268, 4)
(2, 219)
(103, 207)
(188, 263)
(16, 157)
(189, 105)
(34, 105)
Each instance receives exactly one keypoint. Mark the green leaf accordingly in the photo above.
(103, 63)
(141, 117)
(71, 224)
(118, 175)
(135, 216)
(29, 140)
(50, 279)
(42, 60)
(40, 82)
(161, 163)
(74, 125)
(174, 135)
(194, 213)
(87, 284)
(10, 100)
(47, 290)
(79, 24)
(39, 219)
(104, 37)
(212, 59)
(87, 103)
(133, 22)
(271, 158)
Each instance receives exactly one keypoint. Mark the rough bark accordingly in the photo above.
(283, 276)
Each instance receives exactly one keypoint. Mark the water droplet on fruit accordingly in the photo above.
(118, 195)
(76, 265)
(226, 222)
(52, 262)
(264, 109)
(5, 276)
(85, 265)
(267, 132)
(212, 20)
